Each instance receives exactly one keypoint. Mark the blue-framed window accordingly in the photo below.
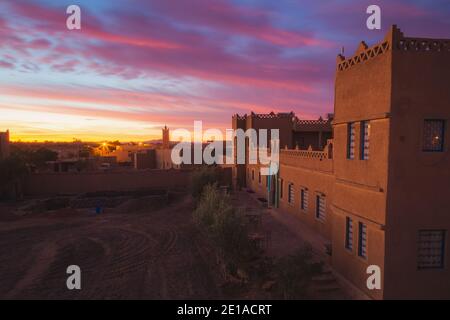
(320, 207)
(362, 243)
(349, 233)
(291, 193)
(304, 195)
(351, 141)
(365, 140)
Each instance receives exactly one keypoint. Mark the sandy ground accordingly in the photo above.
(156, 255)
(146, 255)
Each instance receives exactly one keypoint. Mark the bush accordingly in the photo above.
(231, 236)
(211, 204)
(225, 226)
(37, 158)
(294, 273)
(201, 178)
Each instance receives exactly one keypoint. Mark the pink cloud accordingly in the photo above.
(39, 44)
(51, 21)
(145, 46)
(6, 65)
(224, 16)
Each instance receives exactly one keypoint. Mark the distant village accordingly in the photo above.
(79, 156)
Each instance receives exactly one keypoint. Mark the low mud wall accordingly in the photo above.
(47, 184)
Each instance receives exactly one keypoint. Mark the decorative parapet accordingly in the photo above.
(273, 115)
(365, 55)
(312, 122)
(320, 161)
(394, 40)
(326, 153)
(320, 155)
(282, 115)
(319, 125)
(423, 45)
(239, 117)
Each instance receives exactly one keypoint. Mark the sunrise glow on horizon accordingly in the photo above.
(137, 66)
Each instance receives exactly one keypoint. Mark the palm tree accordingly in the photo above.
(12, 171)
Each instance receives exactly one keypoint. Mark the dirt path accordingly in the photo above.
(155, 255)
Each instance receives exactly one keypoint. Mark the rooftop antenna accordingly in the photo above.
(342, 51)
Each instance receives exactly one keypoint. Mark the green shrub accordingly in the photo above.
(210, 205)
(294, 273)
(225, 226)
(231, 235)
(201, 178)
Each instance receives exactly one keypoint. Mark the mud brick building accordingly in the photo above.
(374, 179)
(4, 145)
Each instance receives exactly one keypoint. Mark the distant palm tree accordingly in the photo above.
(16, 167)
(12, 172)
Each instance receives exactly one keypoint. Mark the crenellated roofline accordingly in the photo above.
(394, 40)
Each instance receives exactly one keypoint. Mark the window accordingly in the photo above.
(267, 181)
(253, 175)
(304, 199)
(433, 135)
(291, 193)
(259, 177)
(431, 248)
(320, 207)
(349, 233)
(362, 243)
(281, 188)
(351, 141)
(365, 140)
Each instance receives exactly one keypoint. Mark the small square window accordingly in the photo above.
(433, 135)
(431, 249)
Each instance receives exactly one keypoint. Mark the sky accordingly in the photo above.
(137, 65)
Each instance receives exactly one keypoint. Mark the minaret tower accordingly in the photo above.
(165, 138)
(4, 145)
